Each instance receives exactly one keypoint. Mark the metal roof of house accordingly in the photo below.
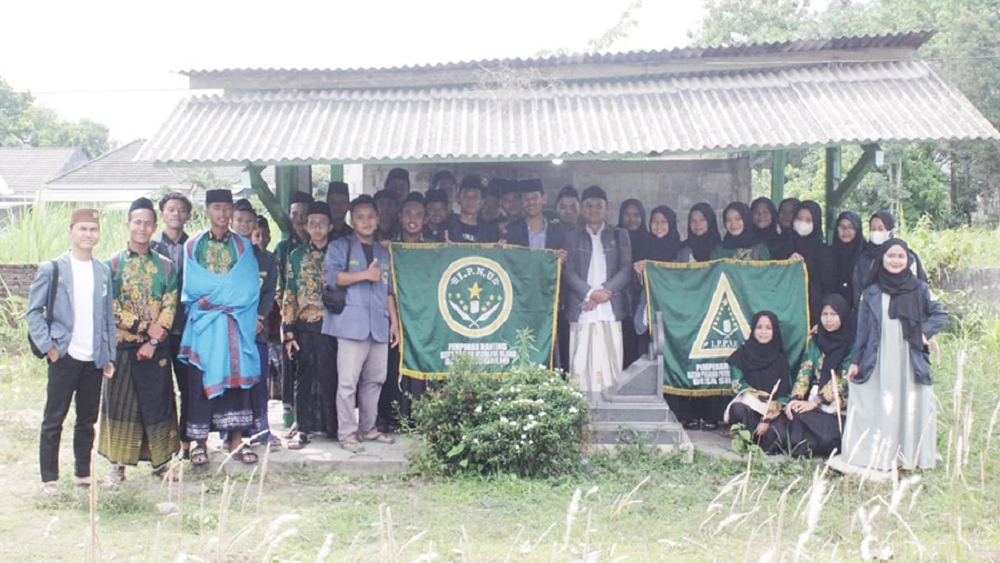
(25, 170)
(903, 42)
(801, 106)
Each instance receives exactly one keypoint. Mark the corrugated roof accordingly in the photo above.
(823, 105)
(25, 170)
(907, 40)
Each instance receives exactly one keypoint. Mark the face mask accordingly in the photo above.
(878, 238)
(456, 208)
(804, 229)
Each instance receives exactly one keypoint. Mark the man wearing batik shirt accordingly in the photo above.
(221, 295)
(297, 216)
(139, 416)
(315, 353)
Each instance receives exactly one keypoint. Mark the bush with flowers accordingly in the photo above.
(527, 421)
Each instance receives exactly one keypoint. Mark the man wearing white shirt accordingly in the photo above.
(78, 338)
(598, 271)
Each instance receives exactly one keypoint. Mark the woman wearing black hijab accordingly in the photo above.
(881, 227)
(703, 234)
(811, 247)
(848, 244)
(816, 413)
(740, 242)
(632, 218)
(664, 245)
(891, 414)
(761, 378)
(767, 231)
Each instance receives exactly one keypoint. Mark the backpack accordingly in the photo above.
(49, 305)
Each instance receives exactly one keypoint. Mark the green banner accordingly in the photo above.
(707, 308)
(471, 299)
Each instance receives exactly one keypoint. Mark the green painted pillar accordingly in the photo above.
(833, 176)
(779, 159)
(336, 172)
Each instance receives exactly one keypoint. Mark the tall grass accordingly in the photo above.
(41, 232)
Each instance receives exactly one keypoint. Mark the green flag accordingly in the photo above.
(470, 299)
(707, 308)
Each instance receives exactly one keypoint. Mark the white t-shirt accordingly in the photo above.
(81, 345)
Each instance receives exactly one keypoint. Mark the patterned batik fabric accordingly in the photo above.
(138, 413)
(145, 289)
(302, 300)
(217, 255)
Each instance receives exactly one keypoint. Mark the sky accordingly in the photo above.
(116, 62)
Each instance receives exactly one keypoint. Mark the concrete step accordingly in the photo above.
(629, 412)
(642, 378)
(651, 433)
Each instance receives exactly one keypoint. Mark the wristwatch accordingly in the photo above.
(154, 342)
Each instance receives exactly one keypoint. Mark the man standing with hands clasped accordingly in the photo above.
(78, 338)
(364, 328)
(139, 417)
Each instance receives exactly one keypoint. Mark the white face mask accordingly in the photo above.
(878, 238)
(804, 229)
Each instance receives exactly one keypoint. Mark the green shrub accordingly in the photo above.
(528, 421)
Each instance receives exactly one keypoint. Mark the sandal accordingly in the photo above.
(692, 425)
(709, 426)
(379, 438)
(352, 446)
(297, 441)
(50, 488)
(199, 456)
(112, 481)
(248, 456)
(83, 482)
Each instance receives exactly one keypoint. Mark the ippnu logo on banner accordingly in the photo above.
(724, 328)
(475, 296)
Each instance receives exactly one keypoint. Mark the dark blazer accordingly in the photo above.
(61, 330)
(517, 234)
(870, 334)
(267, 263)
(617, 252)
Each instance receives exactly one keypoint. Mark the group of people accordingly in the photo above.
(874, 320)
(315, 322)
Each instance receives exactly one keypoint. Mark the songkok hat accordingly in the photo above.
(531, 185)
(415, 197)
(84, 215)
(319, 208)
(472, 181)
(218, 196)
(338, 188)
(142, 203)
(384, 194)
(594, 192)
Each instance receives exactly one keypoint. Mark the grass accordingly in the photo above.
(632, 504)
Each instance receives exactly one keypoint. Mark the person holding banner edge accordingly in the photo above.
(761, 379)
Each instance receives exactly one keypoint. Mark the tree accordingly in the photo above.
(23, 123)
(730, 22)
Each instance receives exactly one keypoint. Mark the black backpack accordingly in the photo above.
(53, 287)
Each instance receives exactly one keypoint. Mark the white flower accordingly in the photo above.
(479, 409)
(572, 410)
(503, 419)
(531, 442)
(541, 413)
(542, 366)
(523, 436)
(475, 440)
(531, 417)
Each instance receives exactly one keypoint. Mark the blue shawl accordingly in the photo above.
(221, 320)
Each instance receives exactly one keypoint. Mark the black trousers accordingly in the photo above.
(562, 341)
(69, 377)
(180, 376)
(390, 401)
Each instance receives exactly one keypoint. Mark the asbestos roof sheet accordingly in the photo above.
(795, 107)
(905, 40)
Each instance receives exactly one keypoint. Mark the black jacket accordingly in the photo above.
(870, 334)
(617, 252)
(488, 232)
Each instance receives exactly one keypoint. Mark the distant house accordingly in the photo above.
(115, 179)
(25, 170)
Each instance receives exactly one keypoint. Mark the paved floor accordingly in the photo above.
(321, 454)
